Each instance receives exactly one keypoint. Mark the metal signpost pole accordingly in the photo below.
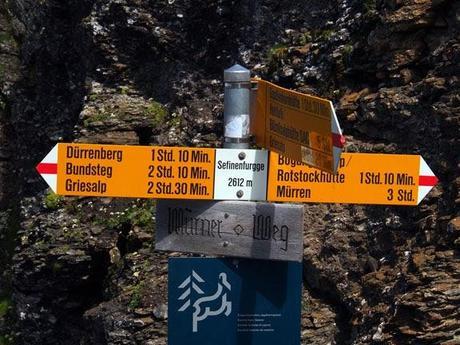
(255, 230)
(237, 96)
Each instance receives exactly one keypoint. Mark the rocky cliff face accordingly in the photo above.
(149, 72)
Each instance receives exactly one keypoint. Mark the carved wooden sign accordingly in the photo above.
(231, 228)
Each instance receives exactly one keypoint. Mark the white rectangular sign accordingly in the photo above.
(240, 174)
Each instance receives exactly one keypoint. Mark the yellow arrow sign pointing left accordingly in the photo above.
(130, 171)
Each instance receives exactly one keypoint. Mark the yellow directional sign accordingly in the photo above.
(296, 125)
(362, 178)
(155, 172)
(232, 174)
(130, 171)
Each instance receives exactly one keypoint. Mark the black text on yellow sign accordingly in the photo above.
(362, 178)
(133, 171)
(221, 174)
(296, 125)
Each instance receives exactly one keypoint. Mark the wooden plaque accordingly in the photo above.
(231, 228)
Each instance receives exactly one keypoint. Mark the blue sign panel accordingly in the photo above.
(233, 302)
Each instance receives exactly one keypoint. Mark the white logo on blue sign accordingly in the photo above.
(201, 305)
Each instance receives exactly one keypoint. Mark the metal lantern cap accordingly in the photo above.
(237, 74)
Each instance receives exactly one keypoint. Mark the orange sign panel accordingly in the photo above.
(361, 179)
(135, 171)
(296, 125)
(232, 174)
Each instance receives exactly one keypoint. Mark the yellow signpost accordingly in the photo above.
(131, 171)
(232, 174)
(296, 125)
(362, 178)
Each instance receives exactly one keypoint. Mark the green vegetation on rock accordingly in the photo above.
(347, 49)
(136, 296)
(96, 118)
(369, 5)
(56, 267)
(52, 200)
(9, 223)
(93, 97)
(175, 121)
(5, 304)
(306, 307)
(325, 35)
(140, 214)
(125, 109)
(6, 340)
(123, 90)
(157, 112)
(74, 235)
(5, 37)
(347, 52)
(277, 52)
(305, 38)
(276, 55)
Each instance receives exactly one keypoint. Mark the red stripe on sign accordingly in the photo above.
(427, 180)
(338, 140)
(47, 168)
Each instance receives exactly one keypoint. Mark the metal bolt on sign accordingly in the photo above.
(237, 94)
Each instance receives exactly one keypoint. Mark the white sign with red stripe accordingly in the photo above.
(426, 181)
(48, 168)
(338, 140)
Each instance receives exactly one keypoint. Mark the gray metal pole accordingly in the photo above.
(236, 107)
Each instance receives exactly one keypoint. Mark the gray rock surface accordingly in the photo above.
(150, 72)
